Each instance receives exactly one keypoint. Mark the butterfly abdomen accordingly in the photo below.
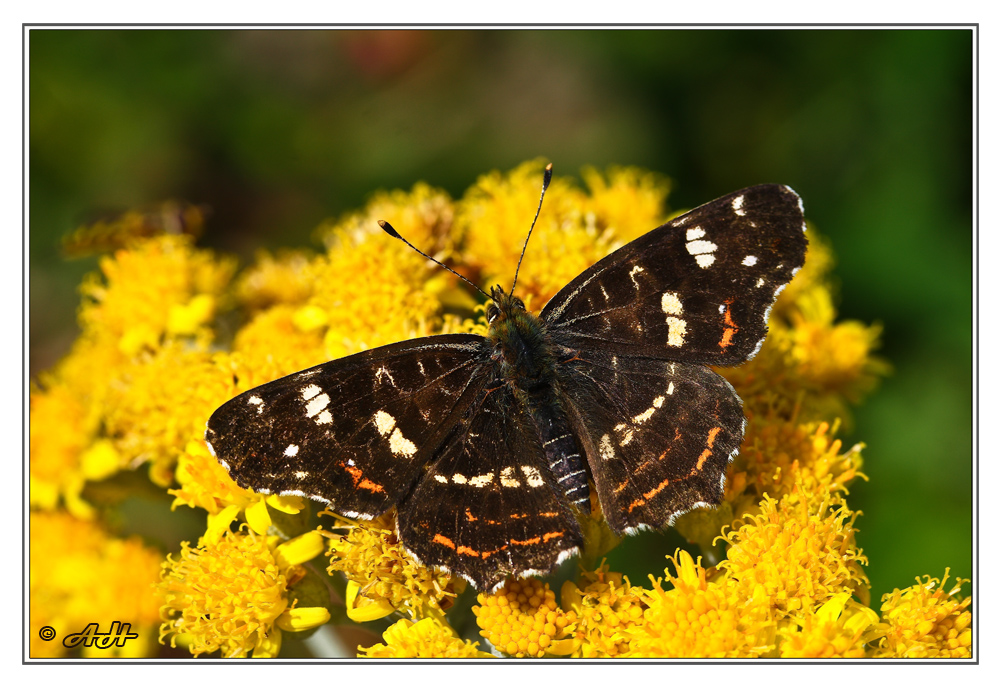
(527, 362)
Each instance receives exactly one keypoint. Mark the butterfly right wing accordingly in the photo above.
(355, 432)
(697, 289)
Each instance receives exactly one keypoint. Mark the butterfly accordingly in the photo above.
(490, 448)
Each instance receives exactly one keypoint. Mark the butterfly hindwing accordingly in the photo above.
(355, 432)
(696, 289)
(489, 506)
(658, 435)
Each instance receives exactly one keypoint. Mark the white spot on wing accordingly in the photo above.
(676, 329)
(384, 423)
(606, 449)
(700, 246)
(670, 388)
(459, 479)
(636, 269)
(738, 206)
(400, 445)
(324, 418)
(316, 404)
(645, 415)
(481, 480)
(292, 450)
(671, 303)
(507, 478)
(750, 261)
(440, 478)
(705, 260)
(310, 391)
(384, 372)
(695, 233)
(533, 476)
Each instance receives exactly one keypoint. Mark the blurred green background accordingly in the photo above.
(277, 130)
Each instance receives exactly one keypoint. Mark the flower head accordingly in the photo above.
(387, 577)
(521, 619)
(840, 627)
(929, 619)
(81, 574)
(609, 612)
(795, 554)
(700, 617)
(234, 595)
(424, 638)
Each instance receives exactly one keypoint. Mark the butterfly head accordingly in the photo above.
(503, 306)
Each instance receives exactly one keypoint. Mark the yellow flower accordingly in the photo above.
(426, 638)
(160, 404)
(565, 241)
(521, 619)
(839, 628)
(61, 430)
(272, 344)
(206, 484)
(81, 575)
(235, 595)
(286, 278)
(627, 200)
(134, 226)
(377, 291)
(926, 620)
(387, 577)
(142, 287)
(609, 613)
(699, 617)
(796, 553)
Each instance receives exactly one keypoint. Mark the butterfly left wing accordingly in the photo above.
(696, 289)
(489, 507)
(658, 435)
(355, 432)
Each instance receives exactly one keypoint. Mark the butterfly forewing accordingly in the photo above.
(355, 432)
(658, 435)
(489, 506)
(696, 289)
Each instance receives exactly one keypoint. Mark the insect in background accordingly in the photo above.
(489, 447)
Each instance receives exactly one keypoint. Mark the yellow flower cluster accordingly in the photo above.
(153, 361)
(234, 595)
(699, 617)
(796, 554)
(387, 579)
(609, 613)
(925, 620)
(521, 619)
(80, 574)
(427, 638)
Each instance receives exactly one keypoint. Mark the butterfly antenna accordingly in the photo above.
(391, 231)
(545, 185)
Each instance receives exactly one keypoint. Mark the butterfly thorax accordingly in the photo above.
(525, 356)
(520, 344)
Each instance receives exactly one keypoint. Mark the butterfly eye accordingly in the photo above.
(518, 303)
(492, 312)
